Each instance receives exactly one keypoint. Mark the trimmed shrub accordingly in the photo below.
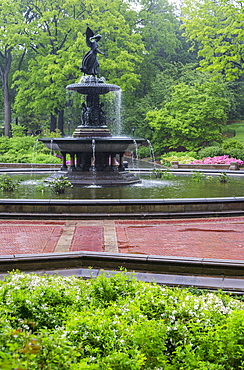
(232, 144)
(211, 151)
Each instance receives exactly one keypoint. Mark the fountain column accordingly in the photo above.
(121, 164)
(72, 160)
(78, 161)
(64, 165)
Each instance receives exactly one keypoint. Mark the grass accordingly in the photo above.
(239, 129)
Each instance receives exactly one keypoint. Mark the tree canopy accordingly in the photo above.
(57, 42)
(192, 118)
(217, 28)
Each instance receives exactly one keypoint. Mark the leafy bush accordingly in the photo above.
(7, 183)
(181, 157)
(26, 149)
(197, 176)
(116, 322)
(223, 177)
(18, 130)
(144, 152)
(232, 144)
(59, 184)
(211, 151)
(237, 153)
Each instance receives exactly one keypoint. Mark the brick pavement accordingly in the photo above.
(220, 238)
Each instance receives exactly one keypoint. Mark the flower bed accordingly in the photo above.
(223, 159)
(223, 162)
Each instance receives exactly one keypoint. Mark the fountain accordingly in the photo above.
(96, 157)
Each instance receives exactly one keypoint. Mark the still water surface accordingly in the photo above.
(31, 187)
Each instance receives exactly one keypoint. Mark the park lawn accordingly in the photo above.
(239, 129)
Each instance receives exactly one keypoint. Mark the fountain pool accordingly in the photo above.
(33, 186)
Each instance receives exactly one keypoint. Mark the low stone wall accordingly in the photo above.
(29, 165)
(232, 166)
(148, 208)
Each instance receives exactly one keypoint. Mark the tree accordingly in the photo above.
(159, 94)
(193, 118)
(12, 49)
(57, 37)
(158, 26)
(217, 27)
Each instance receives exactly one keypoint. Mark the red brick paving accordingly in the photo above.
(221, 238)
(33, 238)
(89, 238)
(202, 238)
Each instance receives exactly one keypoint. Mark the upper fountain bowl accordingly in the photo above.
(92, 85)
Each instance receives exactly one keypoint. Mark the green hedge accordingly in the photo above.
(51, 322)
(26, 149)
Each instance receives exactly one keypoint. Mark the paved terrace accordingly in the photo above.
(205, 252)
(220, 238)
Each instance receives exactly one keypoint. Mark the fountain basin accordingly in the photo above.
(84, 144)
(93, 160)
(92, 88)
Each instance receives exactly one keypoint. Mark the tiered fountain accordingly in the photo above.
(96, 157)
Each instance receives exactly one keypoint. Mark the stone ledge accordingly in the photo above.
(29, 165)
(227, 275)
(36, 208)
(135, 262)
(232, 166)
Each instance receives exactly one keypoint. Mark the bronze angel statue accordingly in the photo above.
(90, 65)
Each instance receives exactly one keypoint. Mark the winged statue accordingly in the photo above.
(90, 65)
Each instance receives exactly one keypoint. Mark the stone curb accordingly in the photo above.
(198, 272)
(104, 208)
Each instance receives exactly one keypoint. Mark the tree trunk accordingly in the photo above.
(53, 122)
(4, 72)
(7, 109)
(61, 121)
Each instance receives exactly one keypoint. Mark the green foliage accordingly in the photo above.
(144, 152)
(217, 29)
(116, 322)
(181, 157)
(12, 35)
(211, 151)
(167, 175)
(158, 94)
(18, 130)
(223, 177)
(236, 153)
(157, 172)
(162, 174)
(194, 116)
(25, 149)
(239, 130)
(59, 184)
(232, 144)
(232, 148)
(7, 183)
(197, 176)
(56, 32)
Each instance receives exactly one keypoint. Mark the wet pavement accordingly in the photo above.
(215, 238)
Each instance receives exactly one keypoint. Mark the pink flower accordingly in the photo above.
(221, 159)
